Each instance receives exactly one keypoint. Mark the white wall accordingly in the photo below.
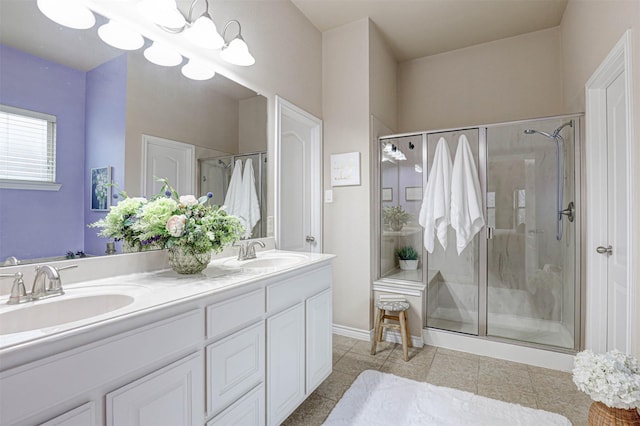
(589, 31)
(504, 80)
(345, 61)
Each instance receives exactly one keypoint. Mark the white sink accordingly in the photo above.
(60, 310)
(268, 261)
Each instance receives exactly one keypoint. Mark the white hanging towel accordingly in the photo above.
(434, 212)
(466, 204)
(249, 207)
(232, 199)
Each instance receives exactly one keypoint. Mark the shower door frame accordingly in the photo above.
(483, 279)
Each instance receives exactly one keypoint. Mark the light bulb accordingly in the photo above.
(203, 33)
(117, 35)
(161, 54)
(162, 12)
(237, 53)
(197, 70)
(70, 13)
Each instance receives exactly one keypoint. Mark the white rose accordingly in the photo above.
(188, 200)
(176, 224)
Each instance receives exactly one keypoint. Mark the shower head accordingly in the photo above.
(557, 131)
(531, 132)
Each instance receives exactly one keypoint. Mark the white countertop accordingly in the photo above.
(151, 291)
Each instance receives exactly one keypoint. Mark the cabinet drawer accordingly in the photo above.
(296, 289)
(247, 411)
(233, 313)
(234, 366)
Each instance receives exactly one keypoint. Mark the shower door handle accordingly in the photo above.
(489, 232)
(604, 250)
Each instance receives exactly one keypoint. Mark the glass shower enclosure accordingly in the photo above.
(518, 278)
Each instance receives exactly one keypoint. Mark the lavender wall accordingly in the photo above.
(37, 224)
(105, 135)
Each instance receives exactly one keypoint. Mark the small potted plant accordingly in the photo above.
(395, 217)
(408, 258)
(612, 380)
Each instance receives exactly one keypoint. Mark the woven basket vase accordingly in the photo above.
(602, 415)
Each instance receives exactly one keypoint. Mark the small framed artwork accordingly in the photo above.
(345, 169)
(100, 188)
(413, 193)
(387, 194)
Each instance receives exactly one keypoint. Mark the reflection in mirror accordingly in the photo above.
(105, 100)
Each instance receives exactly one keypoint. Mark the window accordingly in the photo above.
(27, 149)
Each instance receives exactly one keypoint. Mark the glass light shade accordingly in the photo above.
(161, 54)
(203, 33)
(237, 53)
(70, 13)
(117, 35)
(162, 12)
(197, 70)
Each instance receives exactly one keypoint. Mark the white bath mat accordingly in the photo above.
(382, 399)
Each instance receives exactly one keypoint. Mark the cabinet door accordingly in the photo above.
(285, 363)
(84, 415)
(234, 366)
(319, 352)
(170, 396)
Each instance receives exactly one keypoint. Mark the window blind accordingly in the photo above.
(27, 145)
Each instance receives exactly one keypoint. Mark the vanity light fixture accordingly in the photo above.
(196, 69)
(163, 55)
(120, 36)
(70, 13)
(236, 52)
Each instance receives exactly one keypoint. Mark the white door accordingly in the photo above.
(164, 158)
(299, 179)
(617, 208)
(609, 248)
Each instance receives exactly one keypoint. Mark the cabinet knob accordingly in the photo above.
(310, 239)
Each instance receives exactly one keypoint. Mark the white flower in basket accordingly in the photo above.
(612, 378)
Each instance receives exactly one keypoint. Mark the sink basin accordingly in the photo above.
(52, 312)
(266, 262)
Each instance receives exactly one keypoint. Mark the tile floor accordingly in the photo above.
(522, 384)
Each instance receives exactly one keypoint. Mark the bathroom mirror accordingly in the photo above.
(105, 100)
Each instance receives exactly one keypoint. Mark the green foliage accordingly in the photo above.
(395, 215)
(169, 220)
(407, 253)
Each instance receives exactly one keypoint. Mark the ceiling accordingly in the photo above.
(418, 28)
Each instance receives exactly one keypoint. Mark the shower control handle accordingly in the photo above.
(604, 250)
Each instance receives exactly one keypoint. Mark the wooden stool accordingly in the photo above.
(402, 326)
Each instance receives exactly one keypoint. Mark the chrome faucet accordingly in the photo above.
(11, 261)
(247, 250)
(18, 291)
(44, 272)
(251, 249)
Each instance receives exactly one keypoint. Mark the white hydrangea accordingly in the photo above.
(612, 378)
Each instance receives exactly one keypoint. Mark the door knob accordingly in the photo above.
(604, 250)
(310, 239)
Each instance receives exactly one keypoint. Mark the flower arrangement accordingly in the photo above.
(395, 216)
(171, 221)
(612, 378)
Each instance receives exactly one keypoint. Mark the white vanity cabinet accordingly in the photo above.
(298, 340)
(247, 355)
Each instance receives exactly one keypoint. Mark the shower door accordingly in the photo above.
(453, 280)
(531, 286)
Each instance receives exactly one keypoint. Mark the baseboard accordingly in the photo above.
(354, 333)
(500, 350)
(394, 337)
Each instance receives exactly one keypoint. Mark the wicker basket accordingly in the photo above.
(602, 415)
